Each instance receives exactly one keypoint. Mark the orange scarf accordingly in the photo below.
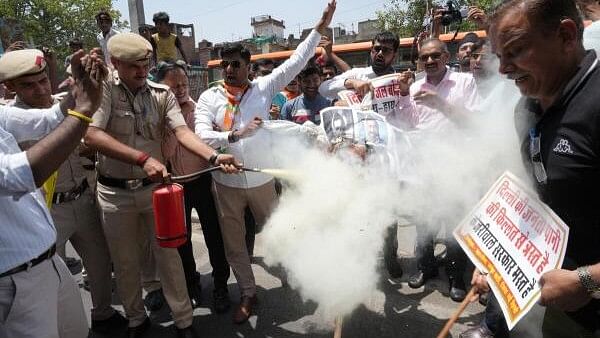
(234, 97)
(290, 95)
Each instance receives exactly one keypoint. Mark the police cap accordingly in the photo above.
(19, 63)
(129, 47)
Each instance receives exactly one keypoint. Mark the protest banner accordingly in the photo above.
(515, 238)
(386, 91)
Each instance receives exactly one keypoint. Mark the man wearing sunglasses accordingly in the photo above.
(383, 54)
(437, 102)
(238, 109)
(556, 121)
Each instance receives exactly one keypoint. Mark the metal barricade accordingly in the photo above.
(198, 80)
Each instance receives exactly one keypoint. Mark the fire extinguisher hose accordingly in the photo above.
(202, 172)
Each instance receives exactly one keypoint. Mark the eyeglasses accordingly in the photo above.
(536, 156)
(233, 63)
(383, 49)
(433, 56)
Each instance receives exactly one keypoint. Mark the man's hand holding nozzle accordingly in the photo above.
(228, 163)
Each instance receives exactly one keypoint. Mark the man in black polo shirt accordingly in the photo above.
(558, 124)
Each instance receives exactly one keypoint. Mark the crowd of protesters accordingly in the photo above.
(80, 166)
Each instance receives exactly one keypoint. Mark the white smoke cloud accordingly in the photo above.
(327, 230)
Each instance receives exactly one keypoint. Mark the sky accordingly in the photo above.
(229, 20)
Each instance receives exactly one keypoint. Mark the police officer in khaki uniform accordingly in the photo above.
(127, 134)
(73, 210)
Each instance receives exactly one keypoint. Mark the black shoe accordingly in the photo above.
(418, 279)
(113, 324)
(74, 265)
(393, 267)
(187, 332)
(457, 289)
(477, 332)
(154, 300)
(195, 294)
(221, 301)
(140, 330)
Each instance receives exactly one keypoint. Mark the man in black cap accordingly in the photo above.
(465, 49)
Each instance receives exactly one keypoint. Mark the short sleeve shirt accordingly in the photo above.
(301, 109)
(71, 172)
(137, 120)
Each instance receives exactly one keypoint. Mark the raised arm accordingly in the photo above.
(286, 72)
(51, 151)
(327, 46)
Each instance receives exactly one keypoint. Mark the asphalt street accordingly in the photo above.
(394, 309)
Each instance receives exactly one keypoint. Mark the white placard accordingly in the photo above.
(515, 238)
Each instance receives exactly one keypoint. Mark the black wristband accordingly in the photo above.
(232, 137)
(213, 158)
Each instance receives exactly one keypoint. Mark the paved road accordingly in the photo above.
(394, 310)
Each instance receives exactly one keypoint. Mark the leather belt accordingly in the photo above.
(72, 195)
(132, 184)
(26, 266)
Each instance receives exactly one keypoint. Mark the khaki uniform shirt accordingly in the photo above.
(137, 120)
(71, 172)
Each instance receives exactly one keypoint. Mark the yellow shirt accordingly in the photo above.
(165, 47)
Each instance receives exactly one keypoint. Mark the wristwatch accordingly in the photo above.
(233, 137)
(585, 278)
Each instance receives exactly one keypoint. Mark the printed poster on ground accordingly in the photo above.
(345, 124)
(515, 238)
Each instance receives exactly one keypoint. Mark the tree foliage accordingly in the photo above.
(406, 17)
(52, 23)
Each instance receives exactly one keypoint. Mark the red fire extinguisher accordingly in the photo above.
(169, 209)
(169, 215)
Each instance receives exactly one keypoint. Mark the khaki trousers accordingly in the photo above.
(128, 222)
(231, 203)
(79, 222)
(43, 301)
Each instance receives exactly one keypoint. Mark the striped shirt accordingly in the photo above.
(26, 227)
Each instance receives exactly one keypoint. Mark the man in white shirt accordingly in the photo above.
(73, 210)
(104, 21)
(34, 282)
(383, 54)
(238, 109)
